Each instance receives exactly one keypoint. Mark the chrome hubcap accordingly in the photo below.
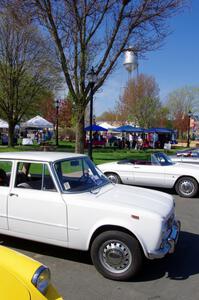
(113, 178)
(115, 256)
(187, 187)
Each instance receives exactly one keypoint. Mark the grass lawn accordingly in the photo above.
(100, 155)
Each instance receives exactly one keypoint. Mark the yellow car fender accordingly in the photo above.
(16, 272)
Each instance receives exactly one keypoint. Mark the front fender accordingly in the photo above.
(106, 224)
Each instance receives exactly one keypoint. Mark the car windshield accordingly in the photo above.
(79, 174)
(161, 159)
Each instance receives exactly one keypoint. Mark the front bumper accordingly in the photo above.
(169, 244)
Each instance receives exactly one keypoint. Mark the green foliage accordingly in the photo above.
(181, 100)
(26, 67)
(99, 155)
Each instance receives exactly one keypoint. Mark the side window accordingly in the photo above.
(5, 172)
(34, 176)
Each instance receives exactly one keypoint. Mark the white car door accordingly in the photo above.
(126, 173)
(4, 190)
(36, 209)
(149, 175)
(5, 171)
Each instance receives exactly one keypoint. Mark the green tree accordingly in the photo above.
(26, 69)
(179, 103)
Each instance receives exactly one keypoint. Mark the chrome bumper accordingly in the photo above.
(169, 243)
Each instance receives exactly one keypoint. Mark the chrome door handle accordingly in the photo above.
(13, 194)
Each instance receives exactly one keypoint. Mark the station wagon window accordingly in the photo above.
(5, 172)
(34, 176)
(79, 174)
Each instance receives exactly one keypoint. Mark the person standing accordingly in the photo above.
(130, 140)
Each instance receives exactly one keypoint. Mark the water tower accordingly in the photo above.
(130, 61)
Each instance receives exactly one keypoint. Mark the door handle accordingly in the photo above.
(13, 194)
(136, 167)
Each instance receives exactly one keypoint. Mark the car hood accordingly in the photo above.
(114, 163)
(141, 198)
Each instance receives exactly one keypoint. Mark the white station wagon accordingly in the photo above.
(63, 199)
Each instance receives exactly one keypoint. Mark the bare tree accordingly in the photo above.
(25, 70)
(94, 33)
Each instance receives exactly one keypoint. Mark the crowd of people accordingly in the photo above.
(137, 141)
(129, 141)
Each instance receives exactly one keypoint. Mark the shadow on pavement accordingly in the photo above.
(45, 249)
(178, 266)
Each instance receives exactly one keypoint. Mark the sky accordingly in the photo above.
(173, 66)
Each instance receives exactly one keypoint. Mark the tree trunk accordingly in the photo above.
(80, 133)
(11, 134)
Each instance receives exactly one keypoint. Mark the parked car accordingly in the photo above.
(63, 199)
(158, 171)
(190, 155)
(23, 278)
(193, 152)
(191, 159)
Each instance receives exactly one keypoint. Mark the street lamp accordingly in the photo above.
(57, 121)
(188, 128)
(92, 78)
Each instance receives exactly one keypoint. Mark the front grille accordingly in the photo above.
(169, 222)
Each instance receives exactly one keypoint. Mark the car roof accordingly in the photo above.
(39, 155)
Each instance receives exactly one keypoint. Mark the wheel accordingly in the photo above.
(116, 255)
(186, 187)
(114, 178)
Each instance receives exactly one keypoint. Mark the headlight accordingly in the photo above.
(41, 279)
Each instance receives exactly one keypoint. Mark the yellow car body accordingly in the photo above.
(16, 274)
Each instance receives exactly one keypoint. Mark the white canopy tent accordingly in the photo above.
(3, 124)
(107, 126)
(37, 122)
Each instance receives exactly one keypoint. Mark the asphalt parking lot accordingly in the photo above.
(174, 277)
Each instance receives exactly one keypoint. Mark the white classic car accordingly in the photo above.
(63, 199)
(190, 156)
(158, 171)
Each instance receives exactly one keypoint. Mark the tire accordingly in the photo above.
(116, 255)
(114, 178)
(186, 187)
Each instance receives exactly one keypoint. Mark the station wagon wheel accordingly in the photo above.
(186, 187)
(116, 255)
(114, 178)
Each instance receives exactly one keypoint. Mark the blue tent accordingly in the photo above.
(129, 128)
(158, 130)
(95, 128)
